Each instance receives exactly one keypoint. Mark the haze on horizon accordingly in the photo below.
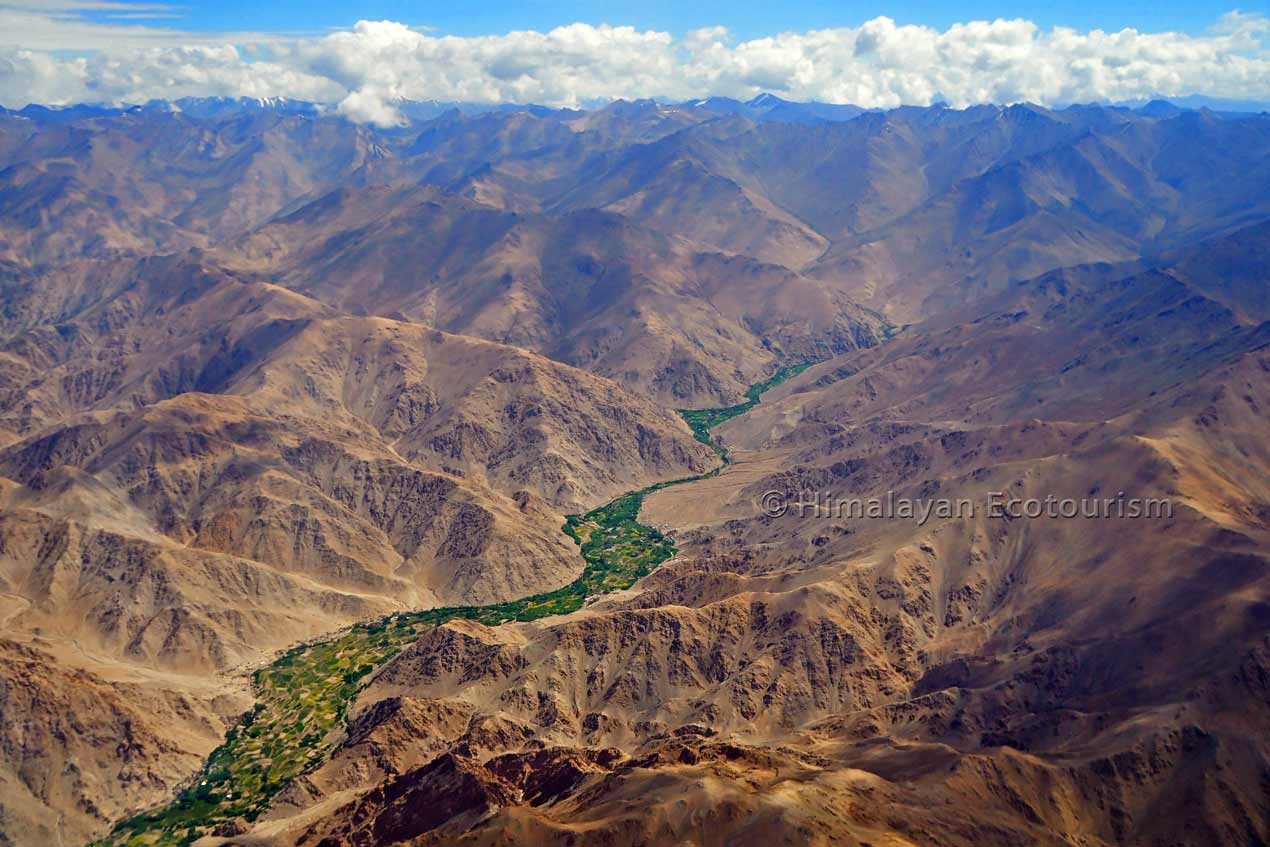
(69, 51)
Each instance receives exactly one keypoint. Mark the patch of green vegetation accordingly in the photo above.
(701, 421)
(303, 697)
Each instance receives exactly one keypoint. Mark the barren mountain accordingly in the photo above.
(151, 182)
(656, 313)
(202, 467)
(292, 412)
(908, 212)
(969, 679)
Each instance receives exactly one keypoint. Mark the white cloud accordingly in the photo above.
(61, 25)
(140, 75)
(383, 61)
(376, 63)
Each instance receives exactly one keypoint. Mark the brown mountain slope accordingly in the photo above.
(592, 289)
(676, 186)
(970, 679)
(1083, 344)
(159, 181)
(83, 739)
(261, 470)
(906, 211)
(125, 334)
(909, 212)
(926, 208)
(154, 181)
(270, 431)
(202, 468)
(509, 419)
(1104, 195)
(912, 671)
(915, 210)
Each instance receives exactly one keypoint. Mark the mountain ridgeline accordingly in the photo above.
(366, 486)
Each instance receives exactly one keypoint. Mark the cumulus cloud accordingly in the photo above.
(141, 75)
(373, 66)
(381, 61)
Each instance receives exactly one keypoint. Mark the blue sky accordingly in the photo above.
(745, 21)
(365, 59)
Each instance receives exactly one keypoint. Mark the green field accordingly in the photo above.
(303, 697)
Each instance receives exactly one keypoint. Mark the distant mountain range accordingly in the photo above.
(764, 107)
(266, 373)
